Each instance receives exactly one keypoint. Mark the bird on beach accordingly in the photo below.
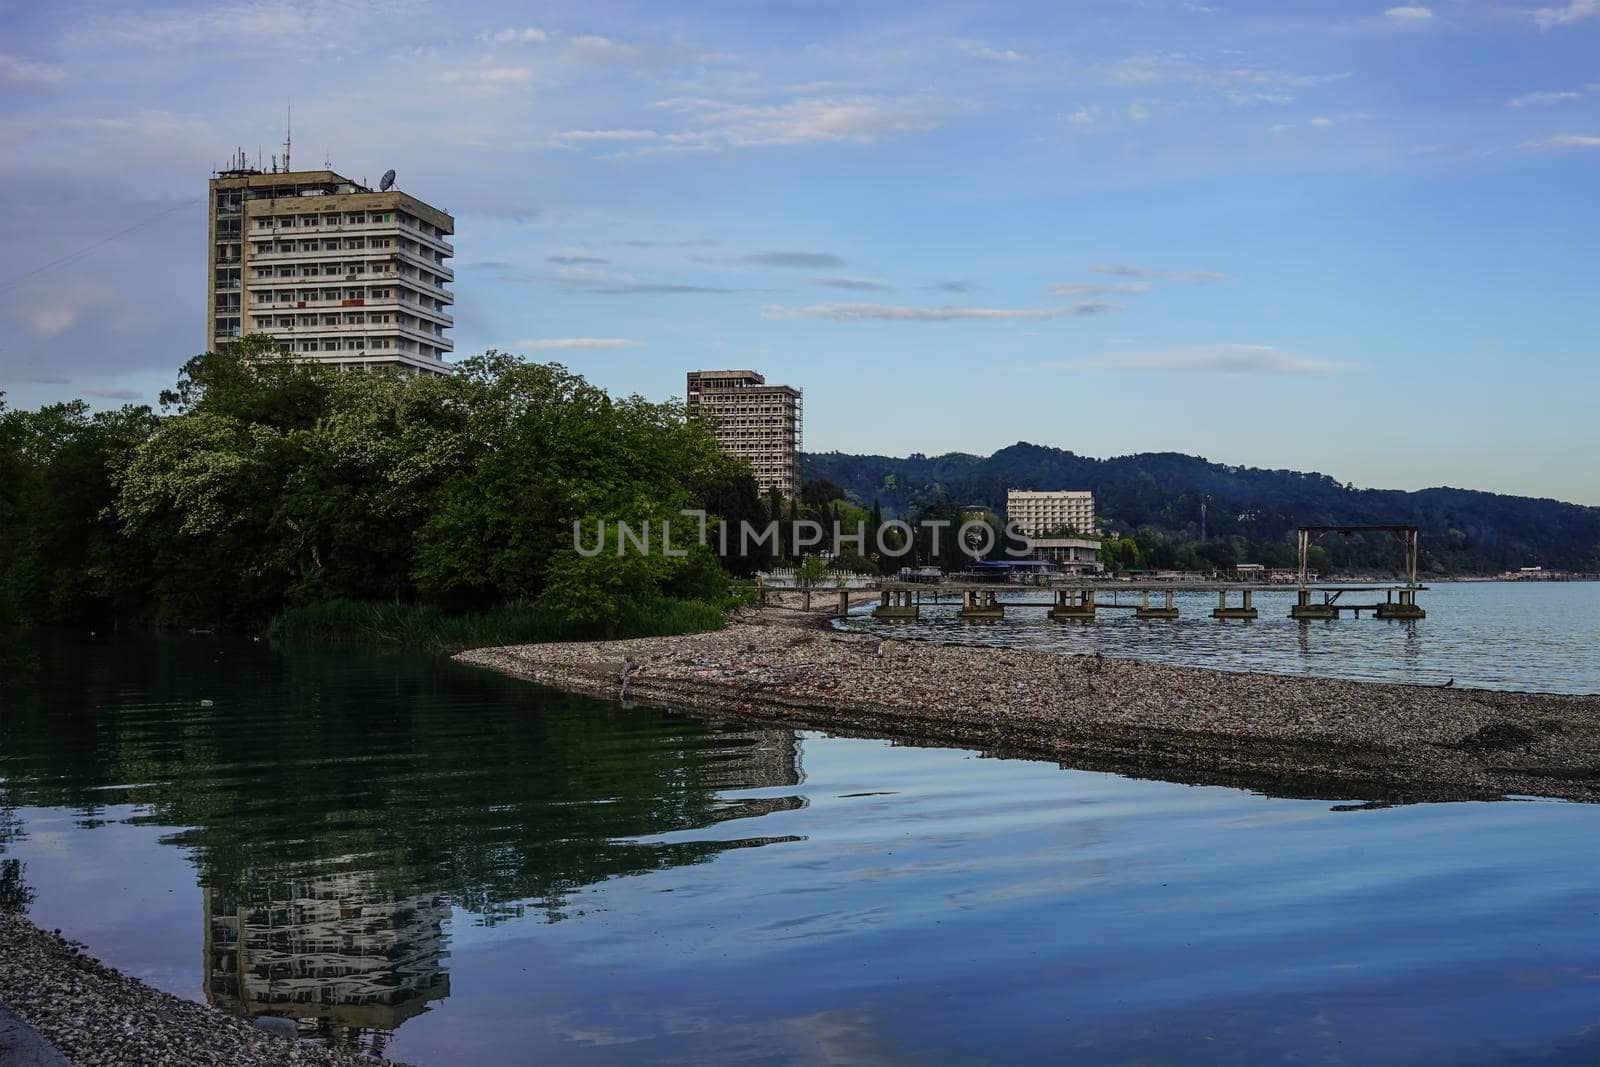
(1448, 684)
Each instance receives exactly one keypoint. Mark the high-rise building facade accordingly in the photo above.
(1042, 513)
(332, 270)
(753, 421)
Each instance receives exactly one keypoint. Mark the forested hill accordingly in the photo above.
(1463, 531)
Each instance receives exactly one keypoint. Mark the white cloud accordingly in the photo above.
(1089, 289)
(1237, 84)
(595, 49)
(1121, 271)
(19, 73)
(566, 136)
(1536, 99)
(301, 24)
(511, 35)
(1563, 141)
(1084, 117)
(543, 343)
(1571, 12)
(47, 319)
(892, 313)
(855, 285)
(861, 119)
(1408, 15)
(992, 55)
(489, 78)
(1325, 121)
(1216, 359)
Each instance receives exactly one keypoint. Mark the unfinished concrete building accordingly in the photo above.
(330, 269)
(753, 421)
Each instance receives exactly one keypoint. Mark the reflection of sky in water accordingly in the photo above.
(1492, 635)
(728, 894)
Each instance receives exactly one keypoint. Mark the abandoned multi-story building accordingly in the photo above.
(330, 269)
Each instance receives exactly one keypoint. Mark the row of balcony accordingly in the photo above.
(352, 228)
(369, 254)
(443, 318)
(345, 329)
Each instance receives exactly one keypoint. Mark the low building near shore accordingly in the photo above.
(1070, 555)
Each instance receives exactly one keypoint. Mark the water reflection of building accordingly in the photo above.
(337, 953)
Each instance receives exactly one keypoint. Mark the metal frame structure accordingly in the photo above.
(1406, 535)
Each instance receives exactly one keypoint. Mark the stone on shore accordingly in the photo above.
(1326, 736)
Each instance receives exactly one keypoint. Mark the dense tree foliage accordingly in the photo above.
(1251, 514)
(273, 483)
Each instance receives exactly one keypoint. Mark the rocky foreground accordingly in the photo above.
(1287, 735)
(96, 1016)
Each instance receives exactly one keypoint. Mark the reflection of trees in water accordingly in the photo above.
(336, 805)
(15, 895)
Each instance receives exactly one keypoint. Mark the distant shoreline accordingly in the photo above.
(1282, 734)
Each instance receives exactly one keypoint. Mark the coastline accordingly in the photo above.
(1281, 734)
(78, 1010)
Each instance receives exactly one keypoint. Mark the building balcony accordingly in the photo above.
(387, 279)
(356, 329)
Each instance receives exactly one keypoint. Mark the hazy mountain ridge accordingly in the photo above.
(1464, 530)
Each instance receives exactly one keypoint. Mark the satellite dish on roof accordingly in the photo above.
(386, 181)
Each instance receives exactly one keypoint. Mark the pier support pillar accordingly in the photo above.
(1304, 609)
(981, 605)
(1223, 611)
(895, 604)
(1405, 608)
(844, 603)
(1145, 611)
(1073, 605)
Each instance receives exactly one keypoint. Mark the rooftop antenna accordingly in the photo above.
(386, 182)
(288, 135)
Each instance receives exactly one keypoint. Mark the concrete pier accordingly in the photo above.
(1304, 608)
(1145, 611)
(896, 604)
(981, 605)
(1073, 605)
(1223, 611)
(1404, 608)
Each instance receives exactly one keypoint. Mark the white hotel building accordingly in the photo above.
(1042, 513)
(333, 271)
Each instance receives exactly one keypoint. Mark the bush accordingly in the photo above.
(433, 629)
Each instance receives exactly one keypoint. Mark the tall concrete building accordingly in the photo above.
(334, 271)
(753, 421)
(1042, 513)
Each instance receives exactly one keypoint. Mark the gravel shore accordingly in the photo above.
(1281, 734)
(99, 1017)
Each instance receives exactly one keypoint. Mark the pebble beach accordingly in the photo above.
(79, 1011)
(1281, 734)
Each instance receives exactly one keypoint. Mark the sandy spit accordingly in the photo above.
(1280, 734)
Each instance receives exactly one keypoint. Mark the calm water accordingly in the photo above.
(456, 868)
(1537, 637)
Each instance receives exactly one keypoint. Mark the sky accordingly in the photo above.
(1344, 237)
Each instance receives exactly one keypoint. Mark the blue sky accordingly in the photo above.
(1333, 236)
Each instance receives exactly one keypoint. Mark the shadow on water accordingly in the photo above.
(338, 805)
